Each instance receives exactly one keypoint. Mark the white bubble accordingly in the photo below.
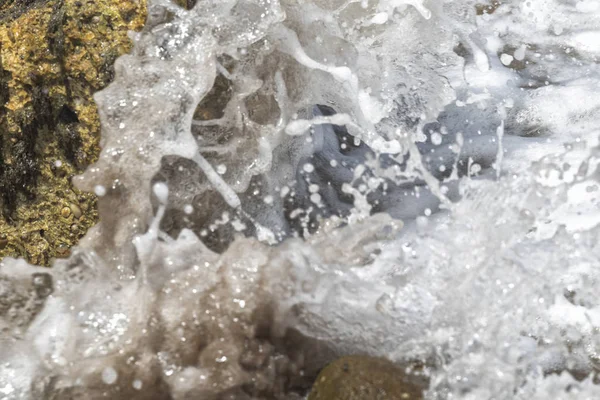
(99, 190)
(436, 138)
(188, 209)
(109, 375)
(315, 198)
(506, 59)
(520, 53)
(558, 30)
(308, 167)
(137, 384)
(221, 169)
(58, 163)
(268, 199)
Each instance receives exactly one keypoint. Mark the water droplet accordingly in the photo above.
(308, 167)
(436, 138)
(109, 375)
(100, 190)
(506, 59)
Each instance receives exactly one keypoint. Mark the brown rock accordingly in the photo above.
(54, 54)
(364, 378)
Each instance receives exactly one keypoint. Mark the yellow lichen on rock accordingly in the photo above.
(54, 54)
(364, 378)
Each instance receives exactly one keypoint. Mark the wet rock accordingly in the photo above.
(187, 4)
(54, 54)
(364, 378)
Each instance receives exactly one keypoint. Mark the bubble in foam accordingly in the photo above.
(308, 167)
(506, 59)
(315, 198)
(519, 54)
(109, 376)
(99, 190)
(268, 199)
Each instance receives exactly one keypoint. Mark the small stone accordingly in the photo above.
(65, 212)
(75, 210)
(63, 251)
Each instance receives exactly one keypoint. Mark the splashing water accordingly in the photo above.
(283, 182)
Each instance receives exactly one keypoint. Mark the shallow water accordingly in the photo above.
(409, 179)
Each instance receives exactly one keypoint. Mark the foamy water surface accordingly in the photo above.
(283, 182)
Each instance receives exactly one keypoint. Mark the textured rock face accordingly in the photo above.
(54, 54)
(364, 378)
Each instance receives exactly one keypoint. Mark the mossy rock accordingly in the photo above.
(54, 54)
(364, 378)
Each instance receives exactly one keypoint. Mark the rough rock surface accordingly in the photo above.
(54, 54)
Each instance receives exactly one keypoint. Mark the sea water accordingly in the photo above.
(283, 182)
